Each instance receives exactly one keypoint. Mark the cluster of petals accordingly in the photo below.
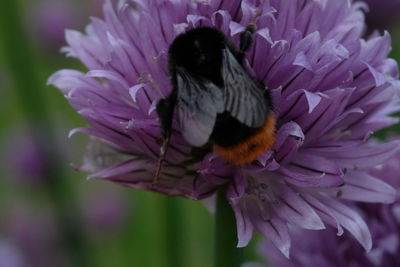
(330, 88)
(327, 249)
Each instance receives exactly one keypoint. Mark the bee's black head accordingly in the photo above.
(199, 51)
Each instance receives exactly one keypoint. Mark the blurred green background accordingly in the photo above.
(51, 215)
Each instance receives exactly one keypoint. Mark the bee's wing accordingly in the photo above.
(198, 102)
(244, 99)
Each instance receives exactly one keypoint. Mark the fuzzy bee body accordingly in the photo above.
(215, 99)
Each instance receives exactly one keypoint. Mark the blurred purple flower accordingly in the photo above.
(48, 19)
(35, 234)
(104, 210)
(25, 159)
(327, 249)
(10, 256)
(382, 14)
(331, 91)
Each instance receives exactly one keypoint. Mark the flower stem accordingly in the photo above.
(226, 252)
(174, 232)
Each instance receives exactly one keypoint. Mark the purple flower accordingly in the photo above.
(327, 249)
(331, 90)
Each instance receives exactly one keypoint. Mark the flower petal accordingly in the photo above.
(359, 186)
(366, 156)
(290, 207)
(276, 230)
(244, 225)
(350, 220)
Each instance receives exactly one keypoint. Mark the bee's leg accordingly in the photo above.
(246, 38)
(165, 110)
(163, 151)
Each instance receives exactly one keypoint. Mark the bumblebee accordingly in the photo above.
(217, 102)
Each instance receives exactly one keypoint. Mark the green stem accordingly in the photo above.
(174, 236)
(22, 67)
(226, 252)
